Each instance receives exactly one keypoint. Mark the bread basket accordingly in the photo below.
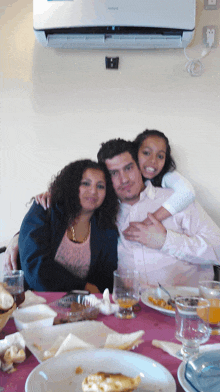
(4, 317)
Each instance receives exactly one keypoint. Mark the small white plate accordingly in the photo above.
(182, 379)
(61, 373)
(39, 340)
(173, 290)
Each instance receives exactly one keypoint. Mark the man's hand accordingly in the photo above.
(153, 236)
(44, 199)
(11, 254)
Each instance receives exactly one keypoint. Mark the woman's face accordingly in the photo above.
(92, 190)
(152, 156)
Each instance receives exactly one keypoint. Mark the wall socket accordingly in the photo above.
(211, 4)
(210, 36)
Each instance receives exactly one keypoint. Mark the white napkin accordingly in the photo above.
(32, 299)
(62, 345)
(11, 351)
(126, 341)
(104, 304)
(174, 348)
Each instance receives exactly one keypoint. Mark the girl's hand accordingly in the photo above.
(44, 199)
(153, 236)
(147, 221)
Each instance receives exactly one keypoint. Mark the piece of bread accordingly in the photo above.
(6, 299)
(110, 382)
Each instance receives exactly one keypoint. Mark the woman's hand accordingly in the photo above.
(153, 236)
(44, 199)
(11, 254)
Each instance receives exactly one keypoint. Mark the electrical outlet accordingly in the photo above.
(111, 62)
(211, 4)
(210, 36)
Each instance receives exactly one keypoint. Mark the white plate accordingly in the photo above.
(93, 332)
(183, 381)
(173, 290)
(61, 371)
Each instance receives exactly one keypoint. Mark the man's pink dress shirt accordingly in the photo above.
(191, 248)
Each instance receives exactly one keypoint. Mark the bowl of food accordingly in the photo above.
(35, 316)
(7, 306)
(74, 307)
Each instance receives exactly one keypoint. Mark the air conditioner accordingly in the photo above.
(114, 24)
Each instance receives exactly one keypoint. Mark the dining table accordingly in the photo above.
(155, 324)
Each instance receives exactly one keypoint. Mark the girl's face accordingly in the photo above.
(152, 156)
(92, 190)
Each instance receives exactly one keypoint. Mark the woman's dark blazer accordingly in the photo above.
(40, 236)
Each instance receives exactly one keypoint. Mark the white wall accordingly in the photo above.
(59, 105)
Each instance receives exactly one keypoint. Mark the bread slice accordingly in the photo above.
(110, 382)
(6, 299)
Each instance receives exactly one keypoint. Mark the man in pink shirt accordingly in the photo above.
(180, 251)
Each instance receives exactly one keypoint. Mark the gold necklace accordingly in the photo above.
(74, 235)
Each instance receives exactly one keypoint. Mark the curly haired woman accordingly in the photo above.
(73, 245)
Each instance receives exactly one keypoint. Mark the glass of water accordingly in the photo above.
(192, 324)
(126, 292)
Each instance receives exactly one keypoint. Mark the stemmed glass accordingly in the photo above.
(126, 292)
(192, 324)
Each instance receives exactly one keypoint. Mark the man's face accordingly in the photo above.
(126, 177)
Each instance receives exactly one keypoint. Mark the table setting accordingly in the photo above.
(147, 343)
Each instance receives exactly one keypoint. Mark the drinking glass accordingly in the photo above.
(192, 325)
(14, 283)
(210, 290)
(126, 292)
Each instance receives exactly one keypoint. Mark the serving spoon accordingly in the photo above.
(170, 301)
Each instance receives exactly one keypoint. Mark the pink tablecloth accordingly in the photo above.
(155, 324)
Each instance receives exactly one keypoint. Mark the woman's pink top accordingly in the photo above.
(74, 257)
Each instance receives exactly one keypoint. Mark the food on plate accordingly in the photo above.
(75, 307)
(110, 382)
(14, 355)
(11, 355)
(79, 370)
(6, 299)
(37, 346)
(161, 303)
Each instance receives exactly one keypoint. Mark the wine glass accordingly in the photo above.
(14, 283)
(126, 292)
(192, 324)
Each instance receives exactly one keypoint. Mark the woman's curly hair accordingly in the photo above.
(64, 190)
(169, 161)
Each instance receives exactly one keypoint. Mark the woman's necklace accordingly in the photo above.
(74, 234)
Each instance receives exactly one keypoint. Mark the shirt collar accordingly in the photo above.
(149, 192)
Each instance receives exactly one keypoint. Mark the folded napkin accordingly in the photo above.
(104, 304)
(113, 340)
(126, 341)
(63, 345)
(11, 351)
(32, 299)
(174, 349)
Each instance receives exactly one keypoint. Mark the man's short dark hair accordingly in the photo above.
(113, 147)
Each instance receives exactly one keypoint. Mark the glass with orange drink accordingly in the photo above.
(210, 290)
(126, 292)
